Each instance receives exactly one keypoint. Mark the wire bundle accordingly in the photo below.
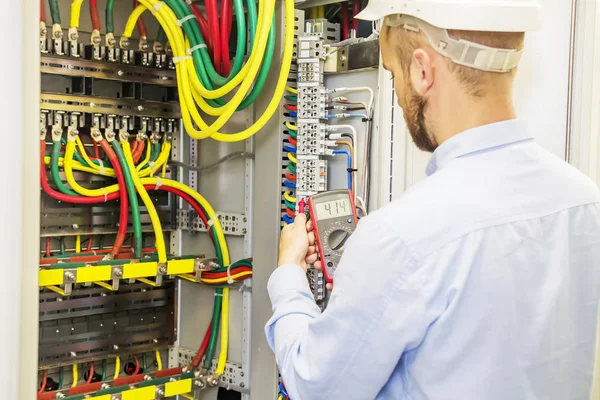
(212, 85)
(290, 151)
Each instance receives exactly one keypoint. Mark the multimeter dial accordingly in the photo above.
(334, 238)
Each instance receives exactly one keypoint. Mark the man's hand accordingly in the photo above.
(297, 243)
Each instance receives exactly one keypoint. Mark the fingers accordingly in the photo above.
(329, 286)
(311, 238)
(318, 265)
(311, 258)
(300, 220)
(310, 226)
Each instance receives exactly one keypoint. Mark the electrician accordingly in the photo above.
(482, 281)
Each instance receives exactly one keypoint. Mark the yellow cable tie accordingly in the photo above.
(196, 47)
(182, 58)
(186, 18)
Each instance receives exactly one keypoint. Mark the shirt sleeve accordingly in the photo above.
(376, 312)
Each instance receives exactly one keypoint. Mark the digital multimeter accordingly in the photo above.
(334, 216)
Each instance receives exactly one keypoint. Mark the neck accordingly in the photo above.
(457, 114)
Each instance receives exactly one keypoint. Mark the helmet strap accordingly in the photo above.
(460, 51)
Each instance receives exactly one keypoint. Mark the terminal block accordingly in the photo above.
(316, 282)
(311, 102)
(310, 71)
(311, 174)
(311, 137)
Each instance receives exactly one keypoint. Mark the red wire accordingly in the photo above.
(345, 19)
(94, 15)
(203, 27)
(137, 365)
(202, 349)
(140, 23)
(124, 203)
(291, 107)
(44, 380)
(226, 18)
(134, 147)
(355, 11)
(96, 151)
(48, 247)
(217, 275)
(140, 150)
(290, 177)
(42, 11)
(292, 141)
(65, 197)
(290, 213)
(213, 25)
(90, 243)
(90, 374)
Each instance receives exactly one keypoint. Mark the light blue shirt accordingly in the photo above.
(480, 283)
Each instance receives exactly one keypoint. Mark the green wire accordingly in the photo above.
(62, 245)
(144, 368)
(54, 11)
(214, 332)
(110, 26)
(291, 167)
(161, 36)
(291, 98)
(292, 133)
(103, 370)
(289, 205)
(60, 378)
(101, 242)
(133, 200)
(54, 169)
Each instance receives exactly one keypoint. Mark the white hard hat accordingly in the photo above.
(468, 15)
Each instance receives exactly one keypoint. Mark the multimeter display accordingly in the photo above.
(334, 209)
(334, 217)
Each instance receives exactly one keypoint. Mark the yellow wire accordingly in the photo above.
(84, 154)
(68, 168)
(146, 157)
(291, 126)
(139, 186)
(185, 72)
(288, 196)
(291, 90)
(187, 396)
(75, 375)
(291, 157)
(78, 244)
(280, 397)
(237, 276)
(158, 360)
(222, 363)
(117, 367)
(75, 13)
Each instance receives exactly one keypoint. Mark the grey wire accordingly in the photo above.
(207, 167)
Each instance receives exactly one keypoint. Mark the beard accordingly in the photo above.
(414, 115)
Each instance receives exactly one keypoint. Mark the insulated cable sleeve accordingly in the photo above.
(202, 349)
(44, 380)
(123, 194)
(117, 368)
(150, 208)
(42, 11)
(76, 13)
(204, 28)
(344, 20)
(213, 26)
(110, 26)
(355, 11)
(226, 17)
(54, 170)
(222, 362)
(55, 11)
(128, 171)
(140, 23)
(94, 15)
(214, 335)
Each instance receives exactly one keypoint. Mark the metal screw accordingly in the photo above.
(74, 36)
(119, 272)
(97, 40)
(73, 354)
(58, 34)
(242, 384)
(70, 276)
(115, 347)
(58, 331)
(112, 41)
(92, 104)
(140, 108)
(120, 73)
(162, 269)
(75, 226)
(114, 398)
(59, 299)
(199, 384)
(154, 340)
(160, 392)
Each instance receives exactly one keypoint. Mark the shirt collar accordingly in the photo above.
(482, 138)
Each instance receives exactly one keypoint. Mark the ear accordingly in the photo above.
(422, 73)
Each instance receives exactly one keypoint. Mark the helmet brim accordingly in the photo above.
(370, 13)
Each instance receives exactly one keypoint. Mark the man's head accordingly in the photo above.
(436, 92)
